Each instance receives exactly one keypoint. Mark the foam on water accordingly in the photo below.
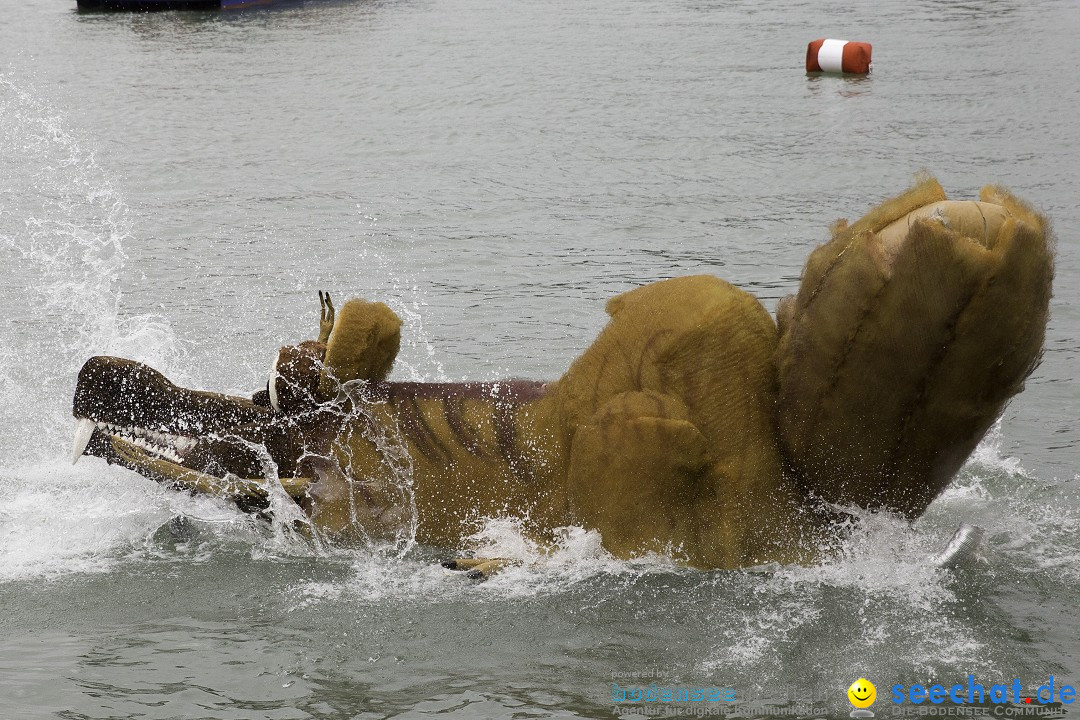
(56, 519)
(1032, 522)
(887, 606)
(379, 572)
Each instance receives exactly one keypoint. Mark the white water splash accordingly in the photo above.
(62, 232)
(407, 301)
(57, 520)
(881, 594)
(575, 556)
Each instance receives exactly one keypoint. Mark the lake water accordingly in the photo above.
(176, 187)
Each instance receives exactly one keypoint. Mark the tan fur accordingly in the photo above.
(363, 345)
(905, 351)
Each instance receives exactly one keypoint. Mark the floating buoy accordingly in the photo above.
(840, 56)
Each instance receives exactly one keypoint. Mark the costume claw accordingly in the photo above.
(479, 568)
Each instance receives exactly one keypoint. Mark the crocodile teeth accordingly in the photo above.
(84, 428)
(183, 444)
(162, 444)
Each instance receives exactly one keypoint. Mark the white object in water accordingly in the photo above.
(964, 548)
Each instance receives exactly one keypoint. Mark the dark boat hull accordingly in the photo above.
(153, 5)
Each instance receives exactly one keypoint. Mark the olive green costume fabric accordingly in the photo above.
(695, 425)
(670, 414)
(363, 345)
(911, 330)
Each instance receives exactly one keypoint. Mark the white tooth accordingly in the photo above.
(83, 430)
(271, 384)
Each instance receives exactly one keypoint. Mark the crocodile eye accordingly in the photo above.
(271, 384)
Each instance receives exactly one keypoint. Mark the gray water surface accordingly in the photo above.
(175, 188)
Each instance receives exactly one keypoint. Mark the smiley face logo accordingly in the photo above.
(862, 693)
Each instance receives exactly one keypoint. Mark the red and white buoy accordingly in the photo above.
(839, 56)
